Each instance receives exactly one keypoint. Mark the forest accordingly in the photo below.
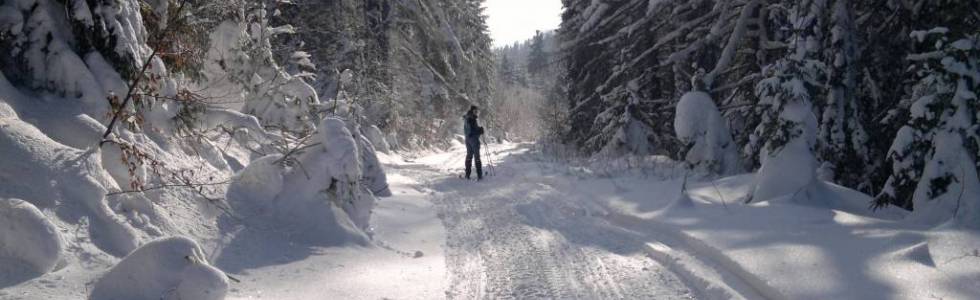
(891, 86)
(202, 149)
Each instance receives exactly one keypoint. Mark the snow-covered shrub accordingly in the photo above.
(170, 268)
(935, 155)
(705, 135)
(377, 139)
(372, 173)
(623, 131)
(788, 131)
(323, 194)
(240, 68)
(27, 237)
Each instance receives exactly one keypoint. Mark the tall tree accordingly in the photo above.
(537, 60)
(934, 157)
(843, 141)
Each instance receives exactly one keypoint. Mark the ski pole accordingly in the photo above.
(493, 172)
(490, 162)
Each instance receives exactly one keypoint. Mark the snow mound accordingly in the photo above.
(36, 168)
(255, 187)
(682, 202)
(918, 253)
(170, 268)
(27, 237)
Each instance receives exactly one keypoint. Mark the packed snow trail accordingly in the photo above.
(526, 234)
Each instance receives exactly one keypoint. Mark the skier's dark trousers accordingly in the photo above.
(473, 131)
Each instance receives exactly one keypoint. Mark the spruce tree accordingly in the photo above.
(787, 134)
(934, 157)
(843, 141)
(537, 60)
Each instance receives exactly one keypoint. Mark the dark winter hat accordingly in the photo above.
(473, 107)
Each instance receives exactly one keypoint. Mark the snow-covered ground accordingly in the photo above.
(405, 260)
(541, 228)
(518, 234)
(622, 229)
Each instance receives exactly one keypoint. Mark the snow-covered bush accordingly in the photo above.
(705, 135)
(377, 139)
(323, 194)
(27, 237)
(372, 173)
(935, 156)
(171, 268)
(623, 130)
(788, 131)
(240, 68)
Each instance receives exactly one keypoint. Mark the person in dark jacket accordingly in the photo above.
(473, 131)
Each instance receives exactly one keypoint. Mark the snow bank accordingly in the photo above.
(699, 125)
(170, 268)
(53, 175)
(255, 188)
(27, 237)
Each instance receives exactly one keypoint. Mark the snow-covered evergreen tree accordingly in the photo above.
(843, 141)
(613, 95)
(788, 132)
(704, 135)
(443, 51)
(537, 59)
(243, 69)
(525, 110)
(934, 157)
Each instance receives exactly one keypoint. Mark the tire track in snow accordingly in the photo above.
(519, 238)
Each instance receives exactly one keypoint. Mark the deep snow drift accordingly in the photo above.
(172, 268)
(29, 243)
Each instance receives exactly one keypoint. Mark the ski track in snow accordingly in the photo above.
(524, 235)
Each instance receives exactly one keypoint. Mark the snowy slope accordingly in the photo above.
(139, 207)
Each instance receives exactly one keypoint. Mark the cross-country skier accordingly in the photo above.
(473, 131)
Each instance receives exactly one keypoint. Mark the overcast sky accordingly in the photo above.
(516, 20)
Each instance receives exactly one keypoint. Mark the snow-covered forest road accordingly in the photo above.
(541, 228)
(525, 233)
